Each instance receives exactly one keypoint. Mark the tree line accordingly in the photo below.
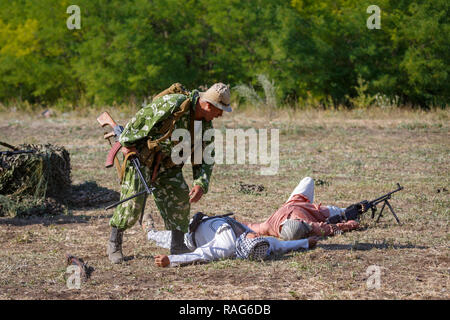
(312, 50)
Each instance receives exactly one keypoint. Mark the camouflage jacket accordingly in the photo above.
(147, 124)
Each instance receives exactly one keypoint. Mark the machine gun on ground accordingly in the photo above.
(354, 211)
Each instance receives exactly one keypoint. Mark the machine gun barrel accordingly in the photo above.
(385, 197)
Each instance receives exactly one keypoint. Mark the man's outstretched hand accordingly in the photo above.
(195, 194)
(312, 241)
(348, 225)
(162, 260)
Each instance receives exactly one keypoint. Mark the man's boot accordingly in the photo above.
(177, 245)
(114, 249)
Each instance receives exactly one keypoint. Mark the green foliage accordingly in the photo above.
(249, 93)
(362, 100)
(314, 50)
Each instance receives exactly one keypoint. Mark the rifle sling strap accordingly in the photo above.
(122, 169)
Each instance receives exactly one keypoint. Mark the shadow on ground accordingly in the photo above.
(360, 246)
(85, 196)
(90, 195)
(45, 220)
(368, 246)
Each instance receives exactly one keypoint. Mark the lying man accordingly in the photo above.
(223, 237)
(299, 217)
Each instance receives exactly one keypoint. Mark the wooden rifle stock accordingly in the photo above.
(105, 119)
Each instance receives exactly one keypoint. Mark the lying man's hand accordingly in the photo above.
(195, 194)
(252, 235)
(162, 260)
(348, 226)
(312, 241)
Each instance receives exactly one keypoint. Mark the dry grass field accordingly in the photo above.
(352, 155)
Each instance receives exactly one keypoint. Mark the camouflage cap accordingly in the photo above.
(218, 95)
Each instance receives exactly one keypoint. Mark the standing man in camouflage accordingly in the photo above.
(148, 136)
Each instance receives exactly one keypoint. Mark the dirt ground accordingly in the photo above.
(351, 155)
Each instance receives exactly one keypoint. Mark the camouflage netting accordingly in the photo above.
(34, 183)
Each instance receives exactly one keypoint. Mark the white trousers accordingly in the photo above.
(306, 188)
